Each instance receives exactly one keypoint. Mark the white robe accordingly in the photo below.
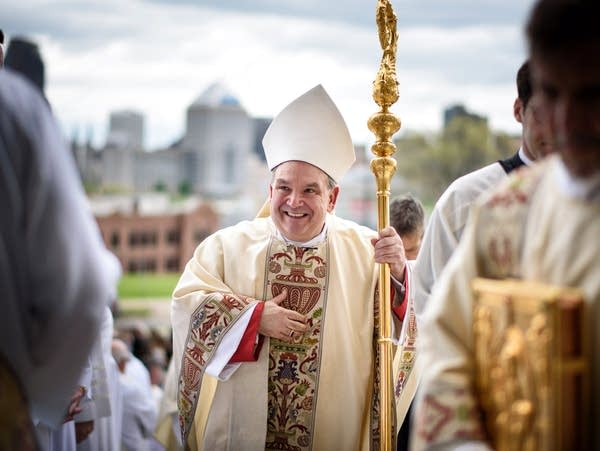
(444, 230)
(531, 229)
(233, 260)
(62, 437)
(105, 408)
(139, 407)
(446, 226)
(53, 276)
(167, 429)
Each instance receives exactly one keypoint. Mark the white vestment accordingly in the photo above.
(529, 228)
(62, 437)
(231, 272)
(446, 226)
(444, 229)
(105, 408)
(53, 277)
(139, 407)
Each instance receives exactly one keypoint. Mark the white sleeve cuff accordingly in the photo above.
(218, 366)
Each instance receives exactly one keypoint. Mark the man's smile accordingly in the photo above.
(295, 215)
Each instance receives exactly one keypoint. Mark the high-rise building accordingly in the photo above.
(126, 130)
(459, 110)
(218, 141)
(219, 157)
(261, 124)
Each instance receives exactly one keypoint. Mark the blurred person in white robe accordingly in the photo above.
(105, 409)
(139, 407)
(52, 277)
(542, 224)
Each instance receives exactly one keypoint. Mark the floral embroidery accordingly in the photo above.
(294, 367)
(207, 325)
(408, 354)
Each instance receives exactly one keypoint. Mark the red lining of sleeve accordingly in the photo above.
(400, 311)
(248, 349)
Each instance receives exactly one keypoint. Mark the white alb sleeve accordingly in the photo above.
(218, 366)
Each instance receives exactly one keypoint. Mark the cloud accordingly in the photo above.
(438, 13)
(157, 57)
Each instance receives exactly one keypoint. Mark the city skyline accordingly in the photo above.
(157, 57)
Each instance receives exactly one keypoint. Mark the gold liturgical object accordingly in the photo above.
(384, 124)
(531, 365)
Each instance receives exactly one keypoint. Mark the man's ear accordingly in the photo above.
(518, 110)
(333, 195)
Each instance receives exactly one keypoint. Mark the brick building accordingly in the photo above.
(156, 241)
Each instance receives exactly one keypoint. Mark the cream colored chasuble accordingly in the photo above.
(315, 393)
(530, 229)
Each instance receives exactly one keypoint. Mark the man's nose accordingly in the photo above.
(295, 199)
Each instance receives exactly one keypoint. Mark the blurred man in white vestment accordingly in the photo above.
(542, 224)
(449, 217)
(139, 407)
(52, 276)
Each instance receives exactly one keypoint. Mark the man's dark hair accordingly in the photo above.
(524, 88)
(330, 182)
(406, 214)
(558, 26)
(23, 56)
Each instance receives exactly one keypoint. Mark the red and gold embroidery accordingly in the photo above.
(208, 323)
(517, 189)
(294, 367)
(408, 353)
(452, 416)
(375, 402)
(503, 215)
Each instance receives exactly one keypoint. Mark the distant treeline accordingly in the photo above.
(429, 163)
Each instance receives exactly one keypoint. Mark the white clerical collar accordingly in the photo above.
(580, 188)
(524, 158)
(313, 242)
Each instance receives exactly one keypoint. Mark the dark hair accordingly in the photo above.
(1, 37)
(24, 57)
(559, 26)
(330, 182)
(406, 214)
(524, 88)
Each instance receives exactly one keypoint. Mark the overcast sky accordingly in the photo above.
(158, 56)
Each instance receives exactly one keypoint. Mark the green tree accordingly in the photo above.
(185, 188)
(160, 186)
(415, 158)
(465, 144)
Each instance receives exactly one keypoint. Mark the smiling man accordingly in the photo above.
(274, 339)
(301, 196)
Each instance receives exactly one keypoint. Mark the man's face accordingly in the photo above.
(569, 91)
(300, 200)
(412, 244)
(536, 135)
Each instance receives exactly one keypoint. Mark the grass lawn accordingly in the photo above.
(147, 285)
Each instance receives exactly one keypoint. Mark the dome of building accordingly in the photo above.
(216, 95)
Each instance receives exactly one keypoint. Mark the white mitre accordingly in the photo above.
(311, 129)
